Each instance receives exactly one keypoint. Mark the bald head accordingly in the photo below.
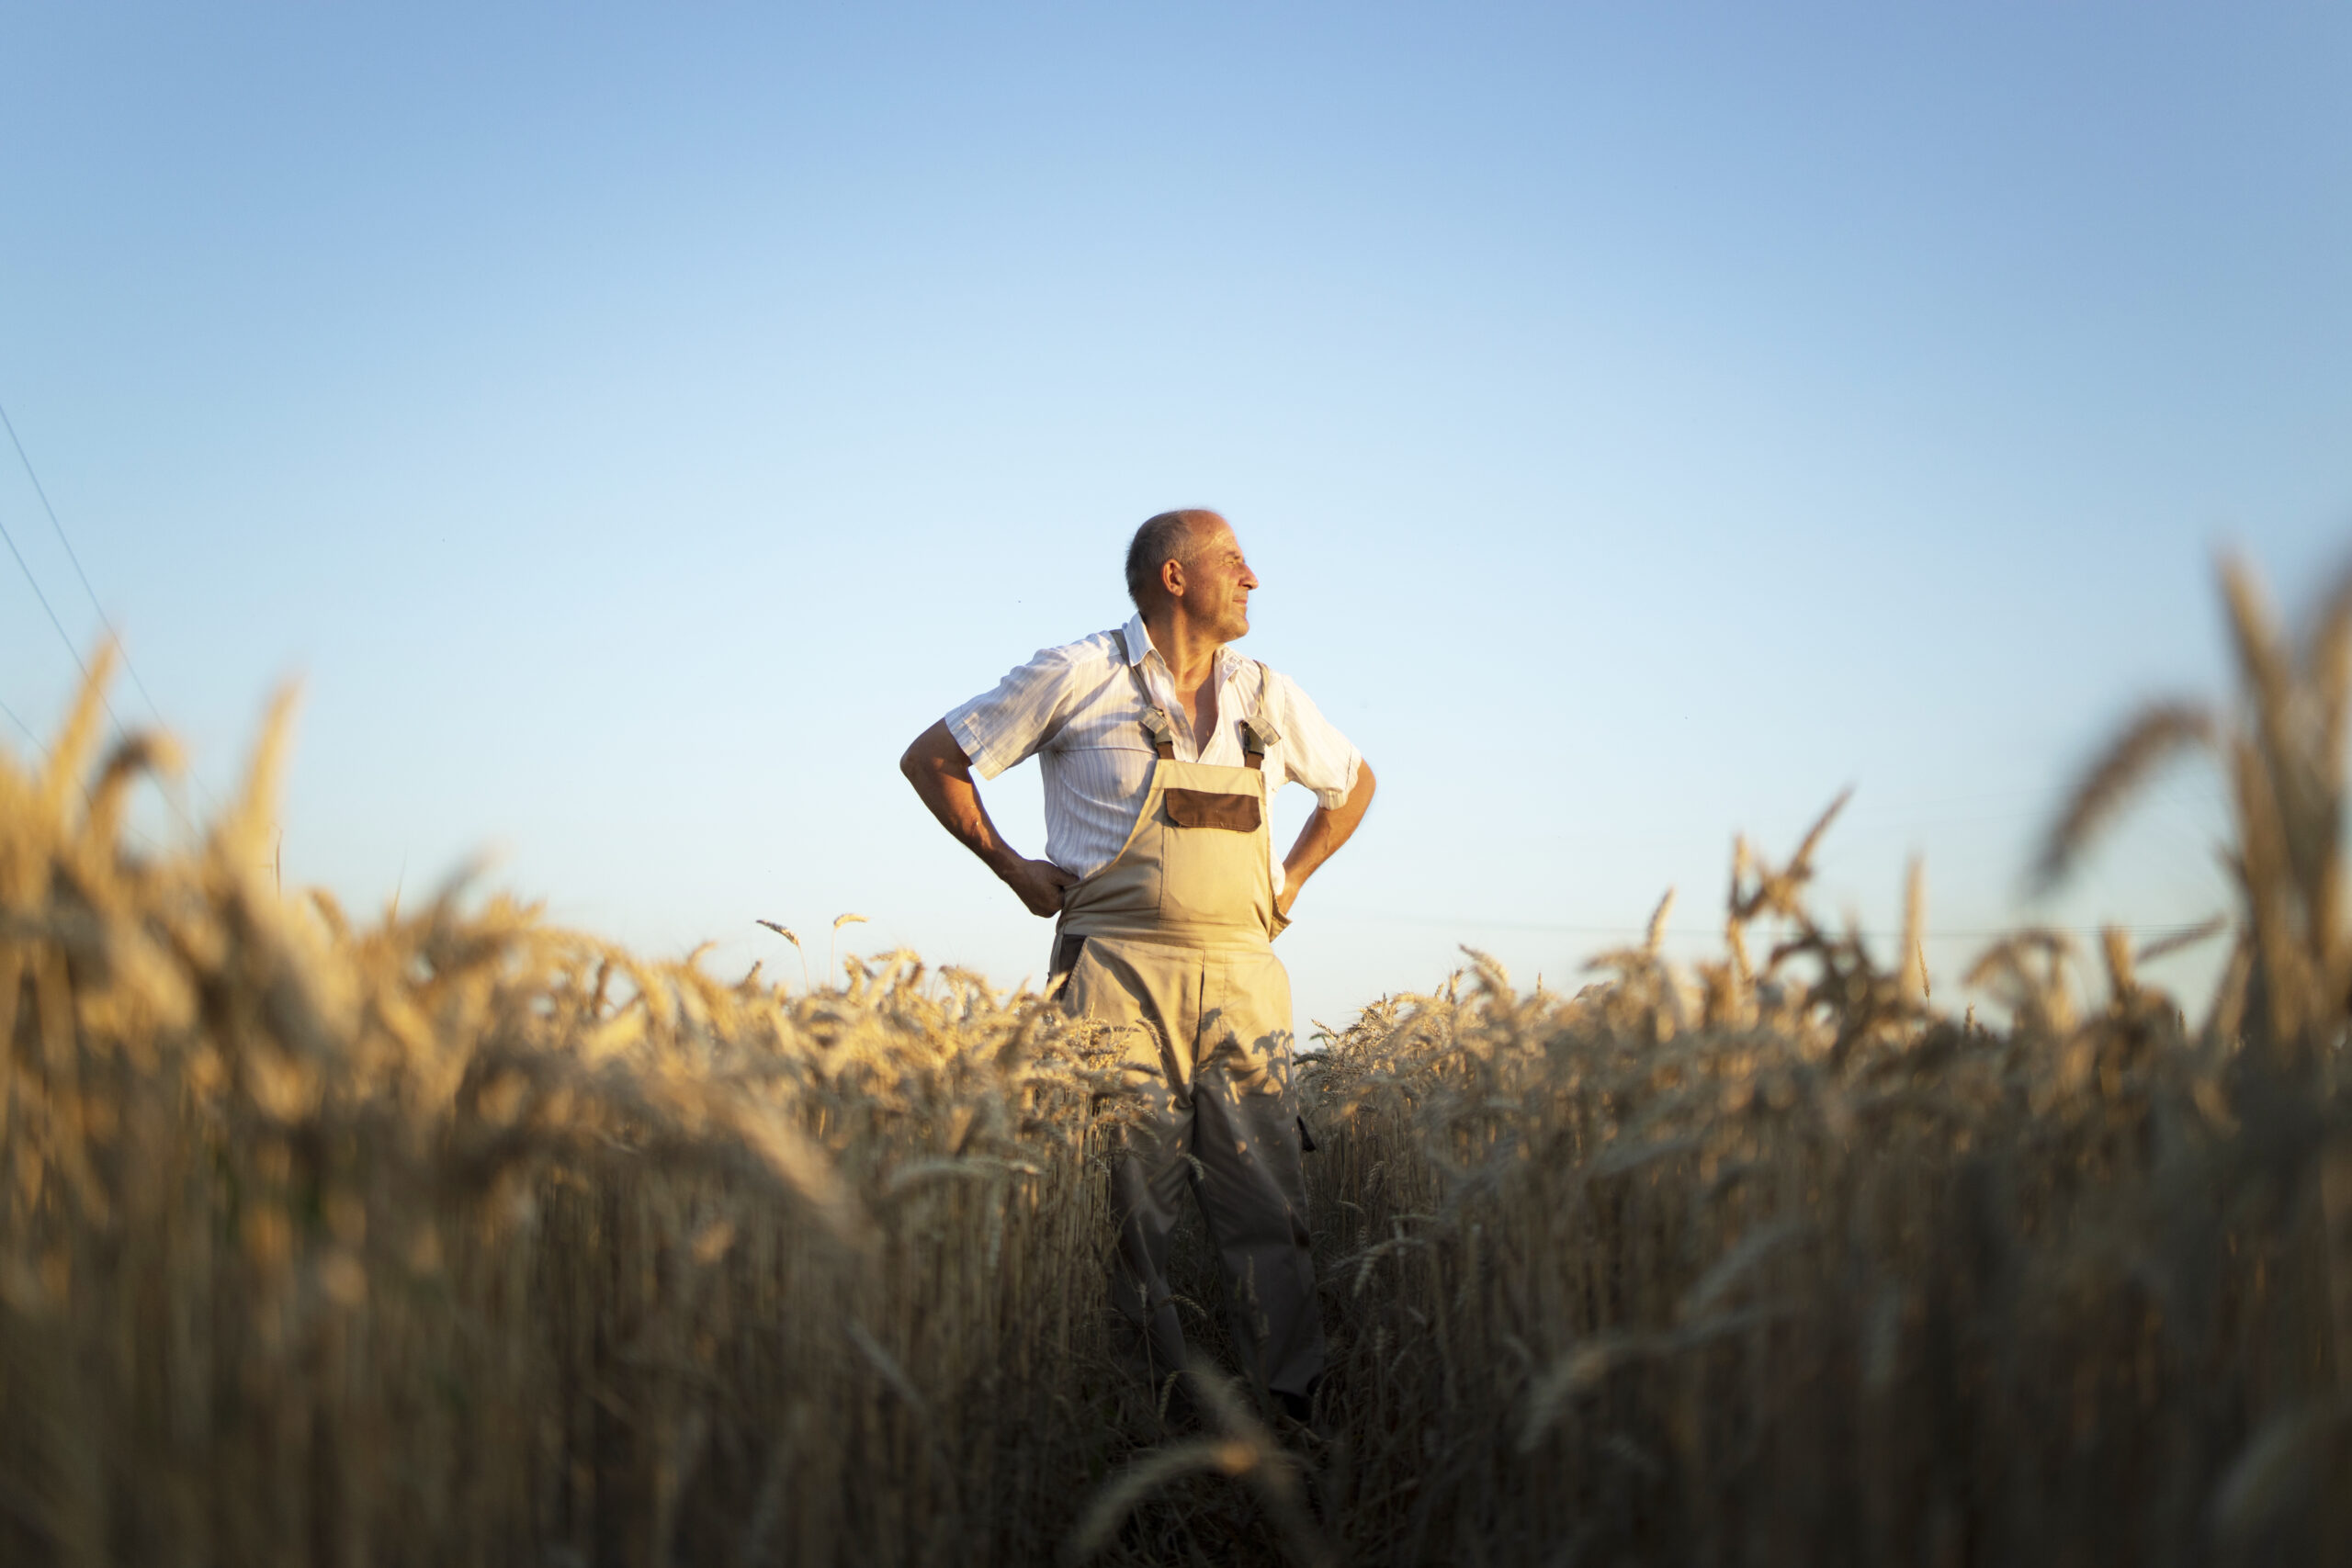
(1170, 536)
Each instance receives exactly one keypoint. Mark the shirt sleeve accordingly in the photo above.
(1007, 726)
(1314, 752)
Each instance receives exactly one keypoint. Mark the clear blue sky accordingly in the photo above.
(635, 424)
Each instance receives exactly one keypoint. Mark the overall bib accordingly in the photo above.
(1171, 942)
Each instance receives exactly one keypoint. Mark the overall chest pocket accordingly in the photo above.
(1214, 868)
(1213, 809)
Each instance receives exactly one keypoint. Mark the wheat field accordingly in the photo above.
(449, 1237)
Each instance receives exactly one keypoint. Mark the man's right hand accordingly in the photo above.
(1040, 884)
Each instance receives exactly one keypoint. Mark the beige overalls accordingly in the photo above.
(1172, 940)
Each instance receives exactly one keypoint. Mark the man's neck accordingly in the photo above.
(1190, 649)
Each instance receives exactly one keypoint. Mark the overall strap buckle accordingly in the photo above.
(1258, 734)
(1162, 733)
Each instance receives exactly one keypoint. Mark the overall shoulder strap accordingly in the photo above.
(1156, 726)
(1258, 732)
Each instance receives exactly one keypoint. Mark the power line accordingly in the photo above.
(104, 620)
(62, 636)
(1685, 933)
(27, 729)
(122, 649)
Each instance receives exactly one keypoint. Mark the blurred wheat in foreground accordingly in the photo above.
(455, 1239)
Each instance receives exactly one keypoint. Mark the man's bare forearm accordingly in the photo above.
(941, 774)
(1329, 828)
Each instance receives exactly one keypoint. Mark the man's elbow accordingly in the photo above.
(1366, 784)
(933, 752)
(917, 758)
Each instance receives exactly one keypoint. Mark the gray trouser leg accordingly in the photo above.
(1254, 1196)
(1147, 1180)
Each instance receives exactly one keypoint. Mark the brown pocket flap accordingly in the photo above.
(1211, 809)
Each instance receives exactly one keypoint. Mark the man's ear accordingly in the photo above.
(1172, 578)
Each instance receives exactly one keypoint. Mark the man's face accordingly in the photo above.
(1217, 581)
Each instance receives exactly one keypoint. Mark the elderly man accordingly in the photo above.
(1162, 749)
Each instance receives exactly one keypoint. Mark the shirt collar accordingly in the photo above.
(1138, 643)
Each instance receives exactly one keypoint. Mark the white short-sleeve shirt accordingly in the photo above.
(1076, 708)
